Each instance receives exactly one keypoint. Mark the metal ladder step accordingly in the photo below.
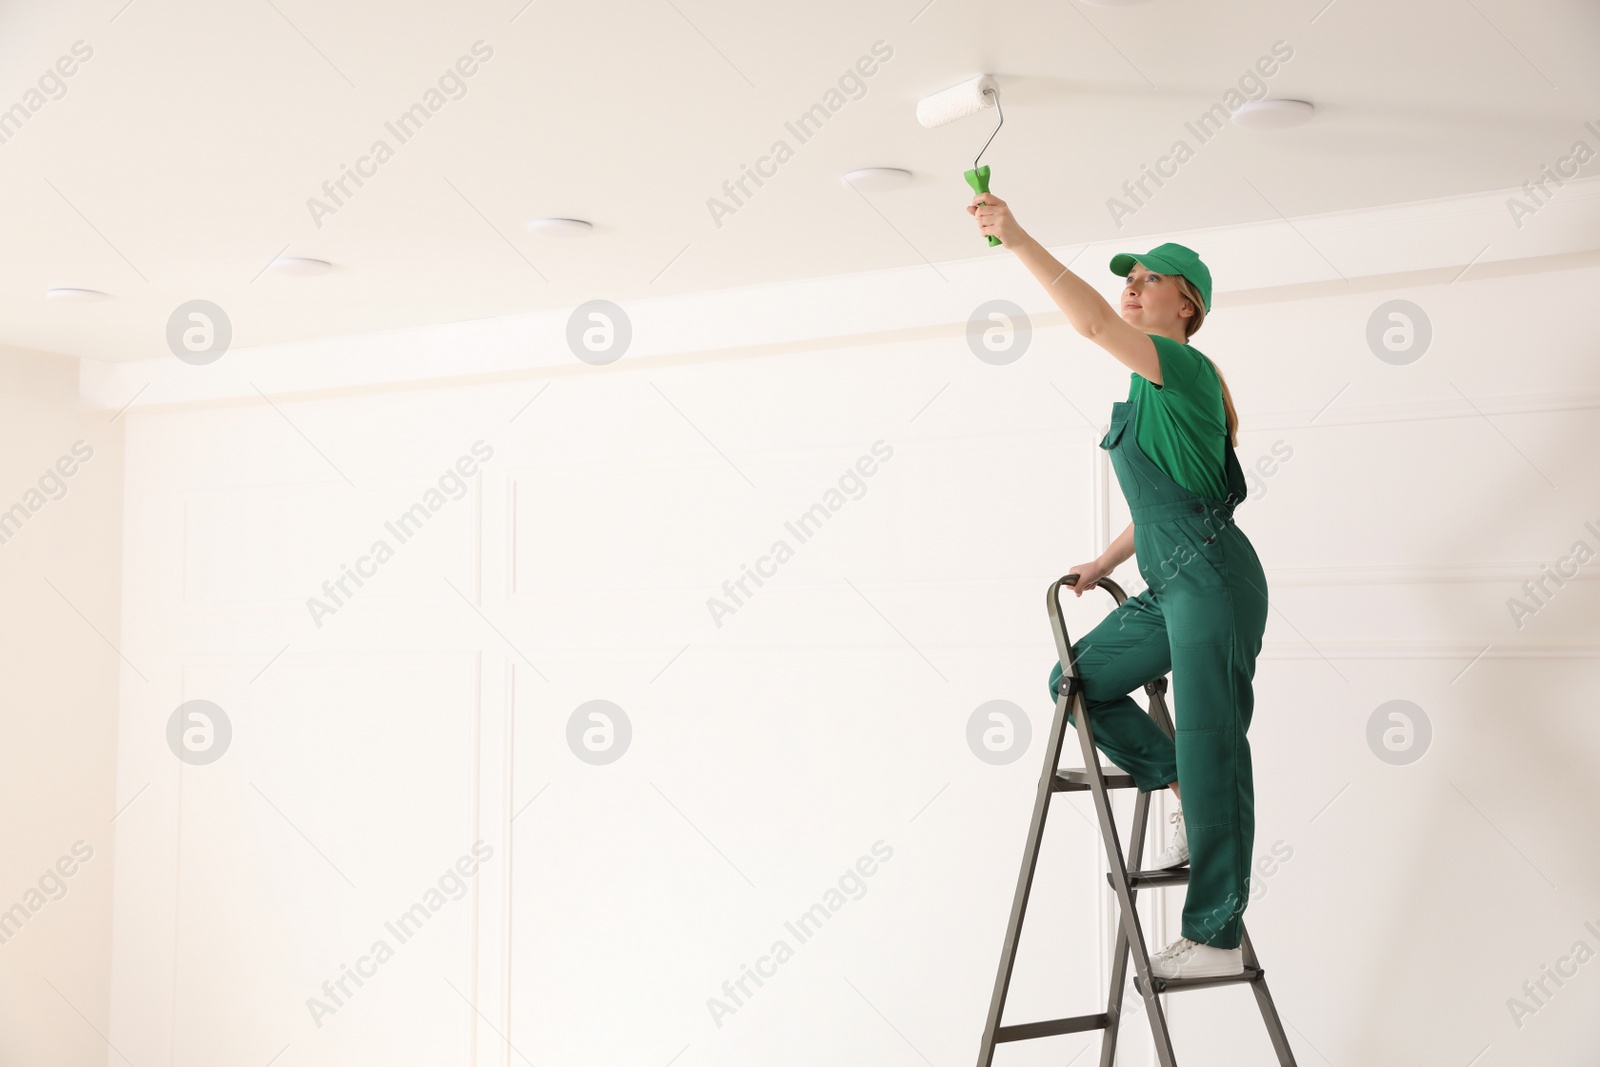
(1154, 879)
(1178, 985)
(1069, 779)
(1028, 1031)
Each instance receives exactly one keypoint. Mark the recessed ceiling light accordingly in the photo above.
(876, 179)
(82, 295)
(1273, 114)
(300, 265)
(560, 227)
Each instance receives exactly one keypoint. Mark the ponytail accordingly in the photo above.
(1190, 325)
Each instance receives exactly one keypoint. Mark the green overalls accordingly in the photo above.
(1202, 618)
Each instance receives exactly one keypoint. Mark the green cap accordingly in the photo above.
(1168, 259)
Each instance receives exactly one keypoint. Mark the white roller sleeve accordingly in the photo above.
(957, 102)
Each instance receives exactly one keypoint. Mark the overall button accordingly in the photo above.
(1199, 507)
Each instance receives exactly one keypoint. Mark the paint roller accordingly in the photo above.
(957, 102)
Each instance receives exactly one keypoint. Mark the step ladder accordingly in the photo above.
(1098, 780)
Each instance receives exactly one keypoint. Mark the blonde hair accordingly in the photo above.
(1190, 325)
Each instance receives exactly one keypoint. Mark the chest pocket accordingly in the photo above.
(1120, 413)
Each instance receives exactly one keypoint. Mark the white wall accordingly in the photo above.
(60, 567)
(829, 712)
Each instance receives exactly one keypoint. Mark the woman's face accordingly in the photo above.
(1151, 302)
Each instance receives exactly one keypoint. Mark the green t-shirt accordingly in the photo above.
(1182, 425)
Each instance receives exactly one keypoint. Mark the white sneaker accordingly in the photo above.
(1190, 959)
(1177, 853)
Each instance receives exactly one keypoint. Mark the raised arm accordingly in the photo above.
(1085, 308)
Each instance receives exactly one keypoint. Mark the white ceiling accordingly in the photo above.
(179, 161)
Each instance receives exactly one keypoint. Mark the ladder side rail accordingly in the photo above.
(1129, 928)
(1269, 1011)
(1119, 878)
(1070, 684)
(1119, 950)
(1141, 811)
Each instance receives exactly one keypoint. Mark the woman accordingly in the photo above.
(1203, 613)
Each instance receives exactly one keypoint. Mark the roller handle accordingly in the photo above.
(979, 180)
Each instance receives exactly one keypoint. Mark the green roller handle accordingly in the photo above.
(979, 180)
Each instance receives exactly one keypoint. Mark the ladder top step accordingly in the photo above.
(1068, 779)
